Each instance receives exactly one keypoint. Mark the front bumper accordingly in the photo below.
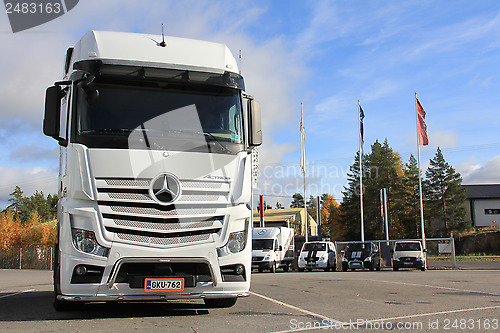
(312, 264)
(357, 264)
(405, 263)
(146, 298)
(262, 264)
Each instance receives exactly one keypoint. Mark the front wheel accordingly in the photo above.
(61, 306)
(273, 267)
(220, 302)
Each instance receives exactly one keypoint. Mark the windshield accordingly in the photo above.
(408, 247)
(161, 116)
(358, 247)
(262, 244)
(314, 247)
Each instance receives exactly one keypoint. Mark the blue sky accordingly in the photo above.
(326, 54)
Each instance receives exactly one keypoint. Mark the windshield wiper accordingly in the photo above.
(108, 130)
(215, 139)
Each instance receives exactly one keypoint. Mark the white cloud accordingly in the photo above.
(28, 179)
(443, 138)
(35, 59)
(488, 173)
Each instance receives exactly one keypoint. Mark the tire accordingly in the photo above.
(395, 269)
(272, 269)
(63, 306)
(378, 267)
(220, 302)
(344, 269)
(286, 268)
(422, 269)
(260, 270)
(309, 269)
(300, 269)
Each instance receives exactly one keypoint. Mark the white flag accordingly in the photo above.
(303, 141)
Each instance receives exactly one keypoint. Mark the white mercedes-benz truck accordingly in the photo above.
(156, 136)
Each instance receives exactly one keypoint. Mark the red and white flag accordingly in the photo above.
(423, 138)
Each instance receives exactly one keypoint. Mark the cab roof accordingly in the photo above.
(121, 48)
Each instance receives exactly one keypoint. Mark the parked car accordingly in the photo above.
(408, 254)
(318, 254)
(361, 255)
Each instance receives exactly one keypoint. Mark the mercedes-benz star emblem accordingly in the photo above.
(165, 188)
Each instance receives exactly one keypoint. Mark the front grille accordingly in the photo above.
(135, 273)
(129, 210)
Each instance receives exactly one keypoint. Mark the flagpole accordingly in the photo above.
(422, 226)
(361, 173)
(303, 166)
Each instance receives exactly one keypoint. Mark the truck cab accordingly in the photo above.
(156, 136)
(272, 248)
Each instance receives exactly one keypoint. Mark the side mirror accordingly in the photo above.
(52, 115)
(342, 251)
(254, 124)
(425, 250)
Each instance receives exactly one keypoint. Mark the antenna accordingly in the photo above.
(239, 58)
(162, 44)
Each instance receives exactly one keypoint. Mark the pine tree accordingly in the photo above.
(312, 207)
(410, 218)
(384, 169)
(298, 201)
(444, 196)
(349, 212)
(16, 199)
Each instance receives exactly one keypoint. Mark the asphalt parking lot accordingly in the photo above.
(466, 300)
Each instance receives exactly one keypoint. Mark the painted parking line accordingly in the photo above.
(435, 287)
(18, 293)
(356, 325)
(293, 307)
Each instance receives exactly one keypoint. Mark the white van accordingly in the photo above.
(408, 254)
(318, 254)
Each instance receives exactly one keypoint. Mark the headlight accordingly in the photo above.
(85, 241)
(368, 259)
(344, 259)
(395, 259)
(236, 243)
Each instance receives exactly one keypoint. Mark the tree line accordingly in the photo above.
(28, 221)
(443, 197)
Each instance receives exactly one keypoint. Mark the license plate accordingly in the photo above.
(163, 284)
